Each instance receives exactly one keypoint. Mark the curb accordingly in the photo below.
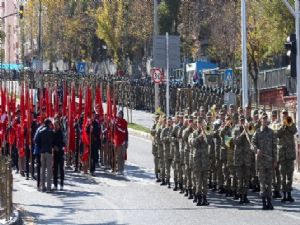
(15, 218)
(139, 133)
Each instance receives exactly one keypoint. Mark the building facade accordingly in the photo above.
(10, 25)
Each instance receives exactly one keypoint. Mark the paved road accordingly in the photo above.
(137, 199)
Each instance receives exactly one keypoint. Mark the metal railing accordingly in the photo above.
(6, 187)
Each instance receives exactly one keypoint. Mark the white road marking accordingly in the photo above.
(292, 216)
(140, 138)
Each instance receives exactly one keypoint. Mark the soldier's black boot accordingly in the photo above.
(246, 200)
(289, 198)
(221, 190)
(186, 193)
(284, 197)
(195, 196)
(276, 194)
(241, 199)
(269, 204)
(169, 183)
(176, 187)
(190, 194)
(204, 201)
(214, 188)
(199, 200)
(181, 188)
(235, 195)
(210, 185)
(163, 182)
(157, 178)
(264, 203)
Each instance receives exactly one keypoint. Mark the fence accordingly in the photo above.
(6, 183)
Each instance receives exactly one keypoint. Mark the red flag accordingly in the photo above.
(114, 107)
(47, 102)
(65, 95)
(98, 102)
(80, 102)
(72, 111)
(56, 101)
(109, 106)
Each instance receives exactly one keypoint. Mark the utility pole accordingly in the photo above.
(297, 15)
(155, 33)
(244, 55)
(167, 79)
(40, 55)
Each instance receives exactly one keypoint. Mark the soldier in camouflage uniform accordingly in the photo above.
(175, 148)
(181, 150)
(242, 158)
(165, 137)
(154, 127)
(219, 160)
(264, 144)
(212, 155)
(199, 142)
(253, 173)
(227, 155)
(188, 179)
(276, 180)
(286, 155)
(191, 155)
(161, 149)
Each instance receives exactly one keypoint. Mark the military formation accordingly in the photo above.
(227, 151)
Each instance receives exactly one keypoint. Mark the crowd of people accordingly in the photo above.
(228, 152)
(42, 139)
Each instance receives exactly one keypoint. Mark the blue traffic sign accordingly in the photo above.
(228, 74)
(81, 67)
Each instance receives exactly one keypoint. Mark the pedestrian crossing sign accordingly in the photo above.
(81, 67)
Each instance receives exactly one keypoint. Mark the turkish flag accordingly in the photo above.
(120, 132)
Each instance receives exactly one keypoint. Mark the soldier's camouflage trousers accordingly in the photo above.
(168, 160)
(156, 158)
(265, 181)
(243, 176)
(201, 181)
(162, 161)
(188, 171)
(176, 162)
(230, 176)
(213, 169)
(287, 172)
(181, 171)
(276, 180)
(193, 172)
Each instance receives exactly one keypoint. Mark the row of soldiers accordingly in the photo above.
(229, 153)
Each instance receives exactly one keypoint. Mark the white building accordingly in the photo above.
(10, 25)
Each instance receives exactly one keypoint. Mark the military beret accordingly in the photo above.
(195, 114)
(208, 114)
(180, 114)
(264, 115)
(199, 119)
(228, 117)
(255, 112)
(284, 111)
(274, 112)
(242, 117)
